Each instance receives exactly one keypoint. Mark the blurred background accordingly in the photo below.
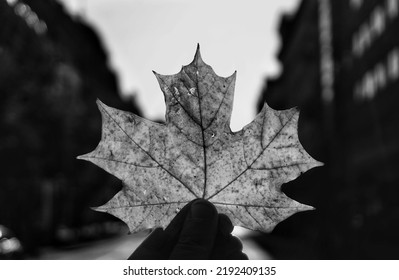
(338, 61)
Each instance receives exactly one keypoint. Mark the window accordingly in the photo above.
(377, 23)
(11, 2)
(356, 4)
(364, 38)
(369, 88)
(393, 64)
(392, 8)
(380, 76)
(22, 10)
(30, 17)
(377, 78)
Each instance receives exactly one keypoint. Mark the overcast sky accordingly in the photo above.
(161, 35)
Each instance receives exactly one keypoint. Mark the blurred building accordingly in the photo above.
(340, 65)
(52, 69)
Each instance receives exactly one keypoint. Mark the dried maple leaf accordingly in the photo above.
(196, 155)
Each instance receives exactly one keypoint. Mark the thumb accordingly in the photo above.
(198, 234)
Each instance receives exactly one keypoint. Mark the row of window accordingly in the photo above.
(326, 51)
(370, 30)
(25, 12)
(378, 78)
(356, 4)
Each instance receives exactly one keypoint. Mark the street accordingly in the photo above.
(120, 248)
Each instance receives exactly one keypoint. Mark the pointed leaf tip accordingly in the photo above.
(100, 103)
(309, 208)
(82, 157)
(87, 157)
(99, 209)
(305, 207)
(197, 56)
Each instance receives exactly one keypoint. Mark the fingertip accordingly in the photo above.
(202, 209)
(176, 224)
(228, 248)
(225, 225)
(197, 237)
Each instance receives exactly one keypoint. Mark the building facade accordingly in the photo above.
(346, 85)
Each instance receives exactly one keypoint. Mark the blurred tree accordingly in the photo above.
(52, 69)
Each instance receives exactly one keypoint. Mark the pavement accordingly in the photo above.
(120, 248)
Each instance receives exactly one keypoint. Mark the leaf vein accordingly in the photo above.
(123, 162)
(160, 165)
(254, 205)
(250, 166)
(148, 204)
(220, 106)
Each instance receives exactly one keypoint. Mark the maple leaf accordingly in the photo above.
(196, 155)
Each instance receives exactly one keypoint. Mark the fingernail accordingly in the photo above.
(202, 209)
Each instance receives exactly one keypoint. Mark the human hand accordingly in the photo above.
(197, 232)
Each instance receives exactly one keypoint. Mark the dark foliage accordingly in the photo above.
(49, 81)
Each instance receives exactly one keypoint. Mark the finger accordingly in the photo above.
(175, 226)
(225, 225)
(233, 249)
(197, 237)
(159, 244)
(173, 230)
(228, 248)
